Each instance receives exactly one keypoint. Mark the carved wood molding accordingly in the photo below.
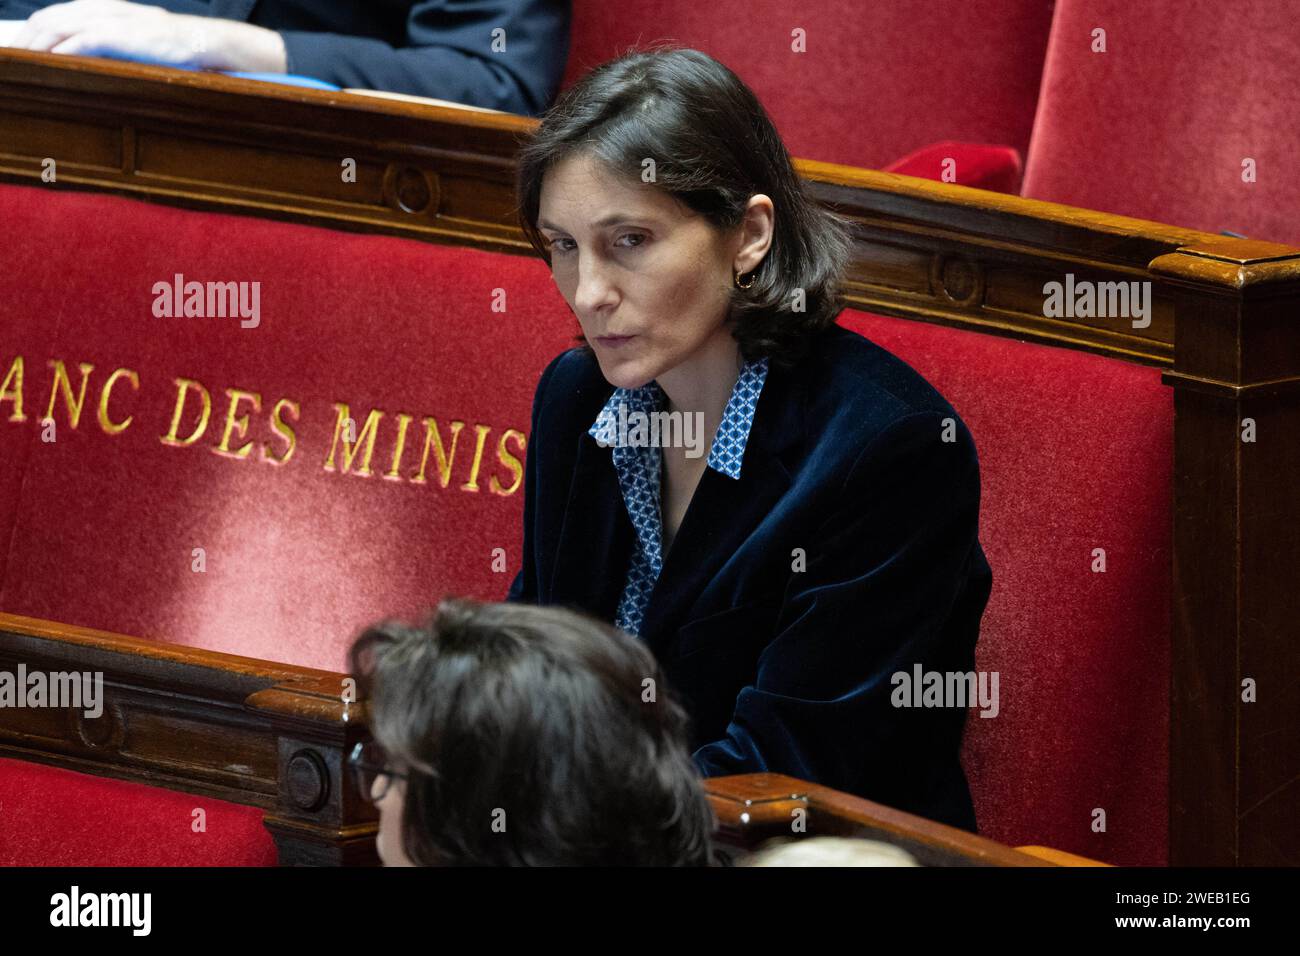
(246, 731)
(931, 251)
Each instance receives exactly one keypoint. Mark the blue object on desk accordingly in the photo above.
(288, 79)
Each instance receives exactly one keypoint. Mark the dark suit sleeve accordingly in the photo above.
(884, 568)
(20, 9)
(449, 54)
(524, 587)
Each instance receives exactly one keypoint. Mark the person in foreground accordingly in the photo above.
(514, 735)
(830, 851)
(827, 543)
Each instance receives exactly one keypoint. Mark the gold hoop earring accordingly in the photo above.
(745, 285)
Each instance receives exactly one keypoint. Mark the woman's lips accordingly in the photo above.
(614, 341)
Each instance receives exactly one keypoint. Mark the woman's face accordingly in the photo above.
(389, 841)
(648, 278)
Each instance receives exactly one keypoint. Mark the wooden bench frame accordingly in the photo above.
(1223, 330)
(276, 737)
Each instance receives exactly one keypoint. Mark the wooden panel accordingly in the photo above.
(215, 142)
(169, 159)
(1234, 763)
(26, 140)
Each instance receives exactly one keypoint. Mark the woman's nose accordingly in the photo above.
(594, 290)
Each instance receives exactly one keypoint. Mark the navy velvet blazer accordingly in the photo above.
(438, 48)
(846, 552)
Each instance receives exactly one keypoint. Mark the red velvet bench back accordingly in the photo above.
(1076, 452)
(1188, 117)
(299, 549)
(908, 73)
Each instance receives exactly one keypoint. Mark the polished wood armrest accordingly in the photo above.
(1058, 857)
(752, 809)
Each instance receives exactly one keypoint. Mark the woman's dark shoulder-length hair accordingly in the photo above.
(532, 737)
(713, 147)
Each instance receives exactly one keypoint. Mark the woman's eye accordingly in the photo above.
(640, 237)
(559, 245)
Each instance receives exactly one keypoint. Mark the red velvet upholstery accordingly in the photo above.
(22, 332)
(877, 80)
(1157, 127)
(1076, 453)
(298, 557)
(53, 817)
(996, 168)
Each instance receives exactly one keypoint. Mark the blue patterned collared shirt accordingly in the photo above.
(639, 470)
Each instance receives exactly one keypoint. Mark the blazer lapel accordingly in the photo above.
(596, 535)
(724, 511)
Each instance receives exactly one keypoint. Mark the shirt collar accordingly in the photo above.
(728, 450)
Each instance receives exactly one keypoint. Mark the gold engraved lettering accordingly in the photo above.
(282, 429)
(472, 484)
(181, 395)
(510, 461)
(241, 421)
(433, 437)
(11, 390)
(63, 384)
(107, 424)
(349, 449)
(402, 422)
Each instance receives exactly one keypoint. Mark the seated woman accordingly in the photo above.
(827, 545)
(515, 735)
